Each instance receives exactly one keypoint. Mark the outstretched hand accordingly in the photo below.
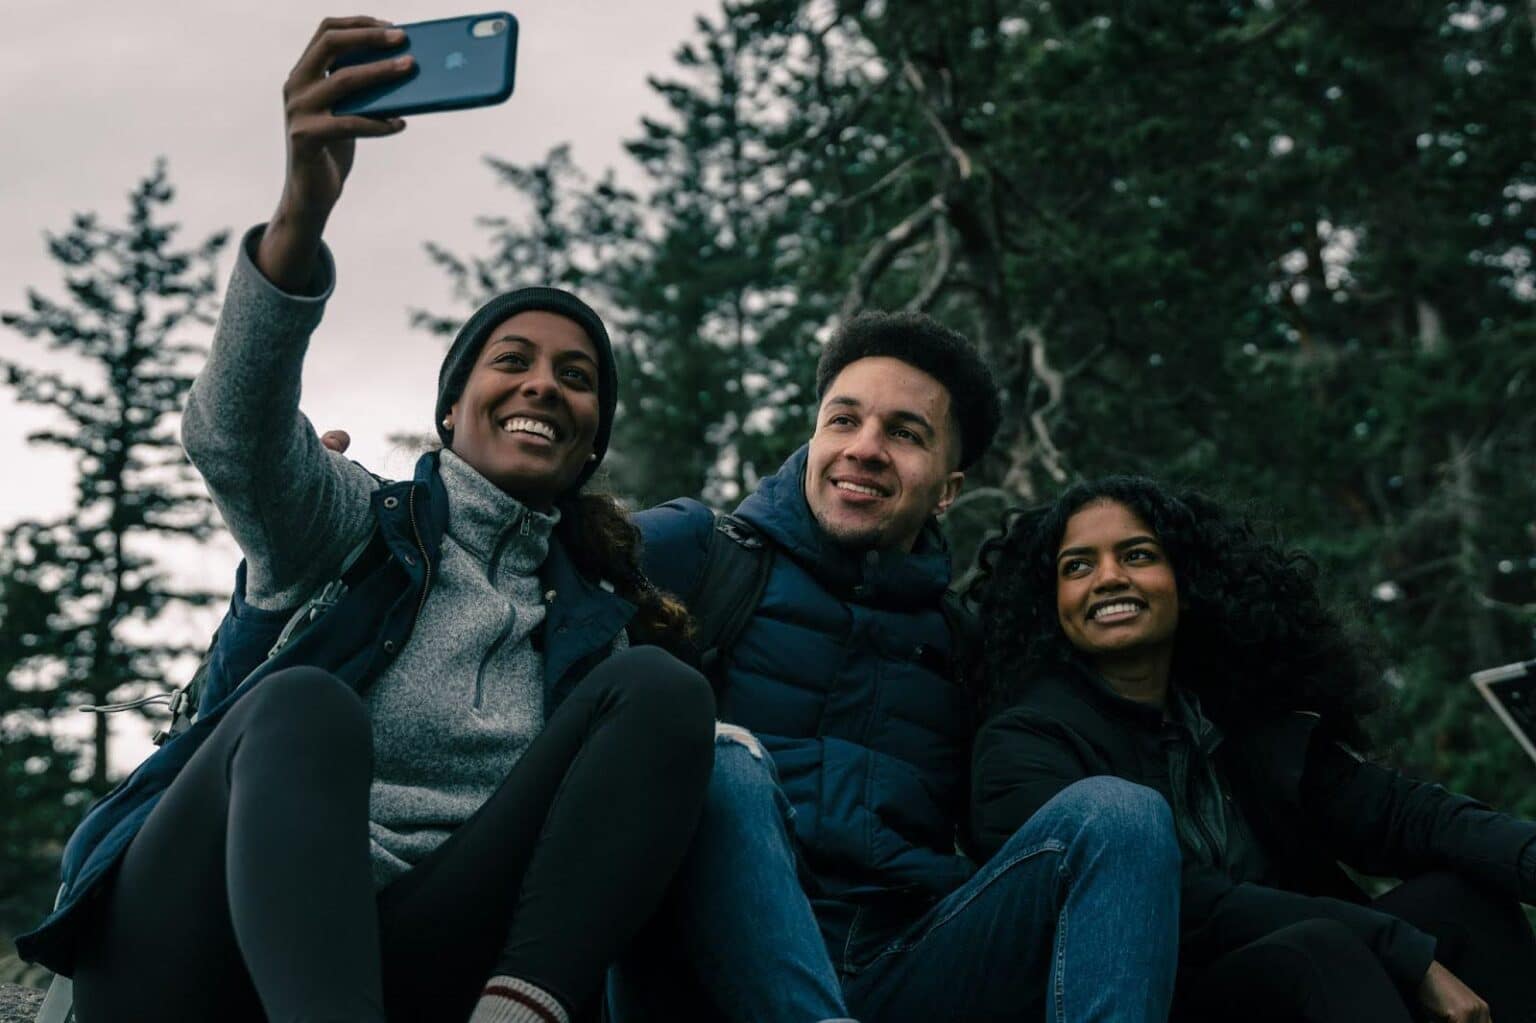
(1447, 998)
(322, 145)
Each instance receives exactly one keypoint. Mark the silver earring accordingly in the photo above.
(592, 457)
(447, 422)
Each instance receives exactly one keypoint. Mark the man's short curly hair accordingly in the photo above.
(922, 342)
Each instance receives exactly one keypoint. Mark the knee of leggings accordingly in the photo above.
(314, 705)
(1117, 813)
(673, 700)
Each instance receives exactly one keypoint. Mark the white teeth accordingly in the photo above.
(522, 424)
(857, 488)
(1114, 609)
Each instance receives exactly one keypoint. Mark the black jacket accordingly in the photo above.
(1309, 801)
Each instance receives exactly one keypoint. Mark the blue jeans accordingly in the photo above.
(736, 938)
(1075, 918)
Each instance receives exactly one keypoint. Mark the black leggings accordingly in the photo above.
(1320, 972)
(247, 894)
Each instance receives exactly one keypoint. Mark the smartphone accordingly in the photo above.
(460, 62)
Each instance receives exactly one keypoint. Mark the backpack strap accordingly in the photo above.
(185, 702)
(730, 584)
(965, 636)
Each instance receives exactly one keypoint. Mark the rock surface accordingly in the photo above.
(19, 1004)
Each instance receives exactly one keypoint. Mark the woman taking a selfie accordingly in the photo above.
(1151, 636)
(460, 792)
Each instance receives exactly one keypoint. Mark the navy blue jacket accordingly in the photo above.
(354, 641)
(842, 674)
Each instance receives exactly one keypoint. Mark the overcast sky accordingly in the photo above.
(94, 91)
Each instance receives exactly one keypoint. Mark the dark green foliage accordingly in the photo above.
(81, 597)
(1276, 249)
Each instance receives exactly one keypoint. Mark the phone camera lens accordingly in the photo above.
(489, 27)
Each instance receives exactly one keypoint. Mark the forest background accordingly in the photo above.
(1276, 249)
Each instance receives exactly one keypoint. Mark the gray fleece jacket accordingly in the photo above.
(456, 709)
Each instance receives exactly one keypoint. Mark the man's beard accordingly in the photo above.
(856, 539)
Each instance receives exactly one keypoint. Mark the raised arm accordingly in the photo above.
(294, 508)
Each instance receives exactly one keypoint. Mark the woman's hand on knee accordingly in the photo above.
(321, 145)
(1447, 998)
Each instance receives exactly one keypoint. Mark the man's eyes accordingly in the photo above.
(899, 432)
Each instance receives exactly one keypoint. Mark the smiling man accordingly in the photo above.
(825, 875)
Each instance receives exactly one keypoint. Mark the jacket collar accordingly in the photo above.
(1274, 751)
(1080, 681)
(581, 614)
(891, 578)
(491, 524)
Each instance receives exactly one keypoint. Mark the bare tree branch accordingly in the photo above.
(1264, 31)
(941, 269)
(886, 178)
(886, 249)
(914, 78)
(1051, 457)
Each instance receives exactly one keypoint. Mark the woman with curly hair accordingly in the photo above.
(1152, 636)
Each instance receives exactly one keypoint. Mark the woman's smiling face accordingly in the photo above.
(528, 415)
(1116, 596)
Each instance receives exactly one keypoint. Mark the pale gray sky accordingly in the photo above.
(94, 91)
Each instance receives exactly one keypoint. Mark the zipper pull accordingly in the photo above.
(525, 528)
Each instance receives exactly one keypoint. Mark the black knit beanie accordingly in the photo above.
(465, 349)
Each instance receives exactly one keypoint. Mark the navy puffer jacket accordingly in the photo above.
(842, 674)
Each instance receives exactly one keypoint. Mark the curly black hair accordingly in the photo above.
(923, 342)
(1255, 638)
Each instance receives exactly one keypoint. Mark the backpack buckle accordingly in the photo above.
(739, 532)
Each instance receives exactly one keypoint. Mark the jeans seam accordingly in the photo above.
(1048, 846)
(1058, 986)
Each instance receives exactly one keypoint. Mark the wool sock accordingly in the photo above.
(510, 1000)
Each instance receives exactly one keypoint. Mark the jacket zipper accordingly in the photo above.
(495, 563)
(426, 562)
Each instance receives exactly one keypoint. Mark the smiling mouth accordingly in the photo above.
(858, 488)
(536, 427)
(1115, 610)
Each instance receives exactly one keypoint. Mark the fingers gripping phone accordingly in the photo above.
(460, 62)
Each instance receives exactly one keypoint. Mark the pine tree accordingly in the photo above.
(1280, 251)
(84, 592)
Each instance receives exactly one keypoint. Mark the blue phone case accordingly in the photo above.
(455, 68)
